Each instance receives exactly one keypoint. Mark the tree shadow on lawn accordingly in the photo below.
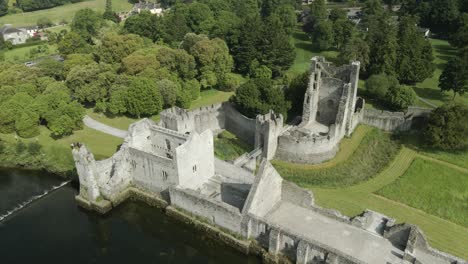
(431, 93)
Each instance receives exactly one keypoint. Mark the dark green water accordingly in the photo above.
(53, 229)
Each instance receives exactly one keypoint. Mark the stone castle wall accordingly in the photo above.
(396, 121)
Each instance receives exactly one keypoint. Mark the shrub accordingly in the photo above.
(401, 97)
(448, 127)
(34, 148)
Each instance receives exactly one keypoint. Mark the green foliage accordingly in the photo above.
(34, 148)
(168, 90)
(143, 98)
(228, 147)
(400, 97)
(27, 124)
(31, 5)
(44, 22)
(86, 23)
(379, 85)
(296, 90)
(322, 36)
(231, 82)
(448, 127)
(113, 47)
(414, 53)
(20, 147)
(3, 7)
(258, 96)
(355, 50)
(374, 153)
(454, 77)
(90, 83)
(71, 43)
(382, 41)
(52, 68)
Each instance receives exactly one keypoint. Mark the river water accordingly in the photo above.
(46, 226)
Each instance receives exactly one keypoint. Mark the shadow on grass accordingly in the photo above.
(428, 93)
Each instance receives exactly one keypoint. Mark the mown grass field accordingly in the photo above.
(207, 97)
(446, 195)
(442, 234)
(65, 12)
(375, 151)
(102, 145)
(228, 147)
(23, 54)
(305, 51)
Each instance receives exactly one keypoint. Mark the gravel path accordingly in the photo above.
(91, 123)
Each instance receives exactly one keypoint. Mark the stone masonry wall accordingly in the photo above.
(215, 211)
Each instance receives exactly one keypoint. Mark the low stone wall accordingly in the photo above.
(217, 212)
(395, 121)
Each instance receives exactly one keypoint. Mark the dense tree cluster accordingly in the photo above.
(258, 96)
(31, 5)
(448, 127)
(245, 26)
(3, 7)
(388, 91)
(28, 98)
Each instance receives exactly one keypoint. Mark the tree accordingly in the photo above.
(175, 27)
(44, 22)
(383, 45)
(143, 98)
(378, 85)
(114, 47)
(275, 49)
(454, 77)
(372, 10)
(27, 125)
(318, 13)
(86, 23)
(355, 50)
(343, 31)
(145, 25)
(400, 97)
(90, 83)
(448, 127)
(258, 96)
(34, 148)
(168, 90)
(108, 13)
(72, 42)
(287, 16)
(245, 51)
(296, 90)
(442, 16)
(3, 7)
(76, 60)
(322, 36)
(414, 53)
(337, 14)
(52, 68)
(65, 119)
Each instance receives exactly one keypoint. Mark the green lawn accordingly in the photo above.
(446, 195)
(375, 151)
(428, 89)
(62, 12)
(228, 147)
(102, 145)
(442, 234)
(23, 55)
(207, 97)
(305, 51)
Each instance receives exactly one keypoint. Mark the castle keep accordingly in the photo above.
(172, 164)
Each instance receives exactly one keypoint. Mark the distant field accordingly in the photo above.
(66, 12)
(228, 147)
(446, 195)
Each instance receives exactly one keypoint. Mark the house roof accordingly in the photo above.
(146, 5)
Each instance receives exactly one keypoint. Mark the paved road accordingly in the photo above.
(91, 123)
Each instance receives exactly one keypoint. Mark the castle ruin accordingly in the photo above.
(172, 164)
